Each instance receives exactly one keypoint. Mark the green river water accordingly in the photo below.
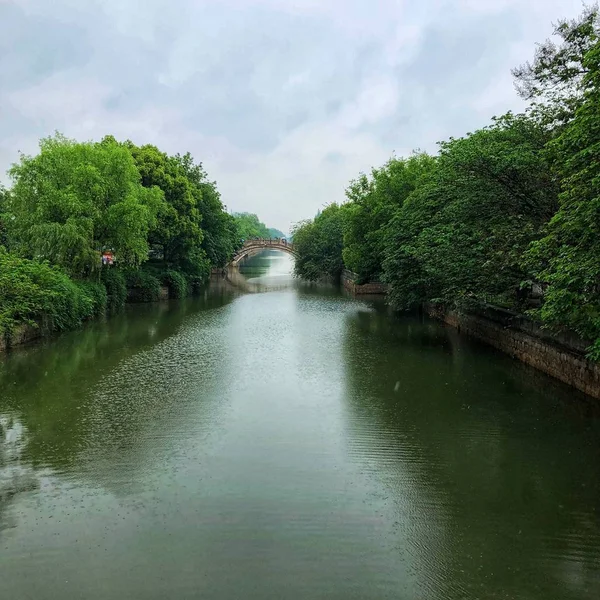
(272, 440)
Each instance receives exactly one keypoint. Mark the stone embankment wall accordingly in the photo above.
(372, 288)
(561, 356)
(22, 334)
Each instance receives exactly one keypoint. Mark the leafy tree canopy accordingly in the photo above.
(221, 237)
(250, 226)
(4, 201)
(461, 234)
(74, 199)
(177, 232)
(276, 233)
(193, 230)
(319, 244)
(568, 257)
(555, 82)
(373, 202)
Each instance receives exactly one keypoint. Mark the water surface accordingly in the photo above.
(290, 443)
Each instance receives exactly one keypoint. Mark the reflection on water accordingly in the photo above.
(290, 444)
(268, 271)
(481, 449)
(15, 476)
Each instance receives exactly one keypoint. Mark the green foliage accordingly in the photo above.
(373, 202)
(23, 293)
(74, 200)
(318, 244)
(249, 226)
(557, 79)
(37, 294)
(409, 279)
(177, 230)
(193, 230)
(221, 237)
(4, 216)
(462, 233)
(177, 284)
(568, 257)
(144, 286)
(116, 289)
(276, 233)
(97, 293)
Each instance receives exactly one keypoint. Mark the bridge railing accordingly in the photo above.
(275, 243)
(265, 242)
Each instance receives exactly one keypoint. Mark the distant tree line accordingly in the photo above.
(512, 206)
(250, 226)
(159, 217)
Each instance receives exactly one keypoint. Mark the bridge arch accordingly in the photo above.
(251, 247)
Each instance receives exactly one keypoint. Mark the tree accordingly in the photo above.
(177, 231)
(276, 233)
(4, 216)
(568, 257)
(556, 80)
(193, 231)
(318, 244)
(373, 202)
(220, 239)
(74, 200)
(250, 226)
(461, 235)
(410, 273)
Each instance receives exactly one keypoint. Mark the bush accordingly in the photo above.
(96, 294)
(116, 289)
(72, 305)
(145, 287)
(34, 293)
(177, 284)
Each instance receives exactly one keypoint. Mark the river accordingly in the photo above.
(289, 442)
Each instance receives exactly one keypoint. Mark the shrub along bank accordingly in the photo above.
(44, 298)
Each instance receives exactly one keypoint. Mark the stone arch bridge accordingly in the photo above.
(251, 247)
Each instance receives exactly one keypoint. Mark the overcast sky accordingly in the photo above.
(284, 101)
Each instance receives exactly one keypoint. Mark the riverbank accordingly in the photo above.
(562, 356)
(24, 333)
(372, 288)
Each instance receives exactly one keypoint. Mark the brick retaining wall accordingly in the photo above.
(22, 334)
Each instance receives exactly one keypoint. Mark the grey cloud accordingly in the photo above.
(33, 47)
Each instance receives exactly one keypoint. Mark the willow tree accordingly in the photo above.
(74, 200)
